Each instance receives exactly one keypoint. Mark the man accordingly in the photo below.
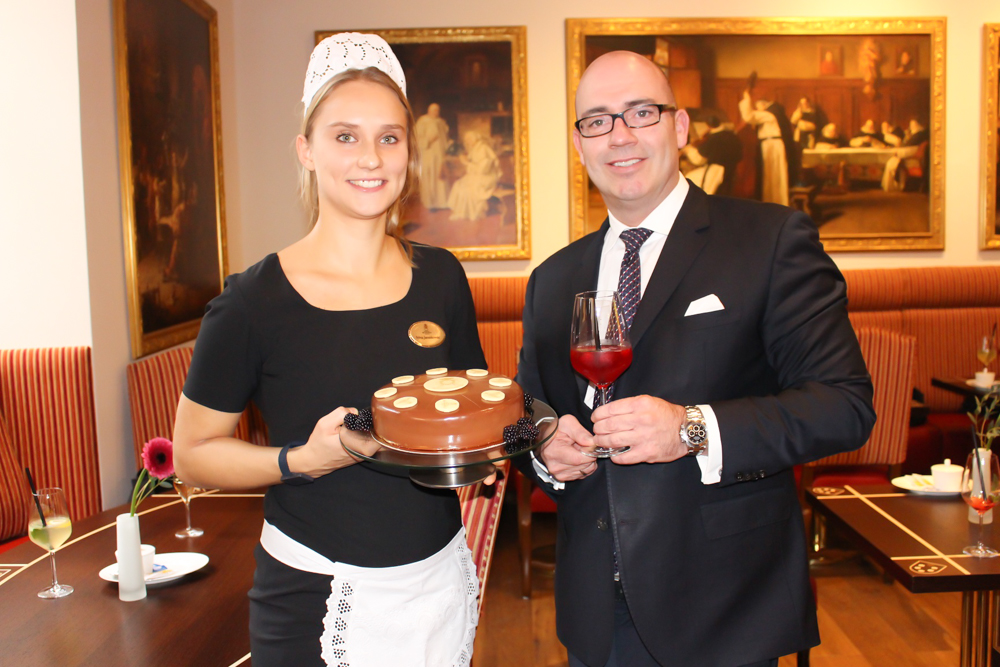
(715, 158)
(743, 318)
(774, 135)
(432, 137)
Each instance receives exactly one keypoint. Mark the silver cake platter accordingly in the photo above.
(446, 469)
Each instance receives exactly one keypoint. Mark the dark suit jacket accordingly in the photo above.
(714, 574)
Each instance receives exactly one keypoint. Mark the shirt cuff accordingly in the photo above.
(711, 465)
(546, 476)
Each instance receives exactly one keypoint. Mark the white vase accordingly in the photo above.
(976, 487)
(131, 580)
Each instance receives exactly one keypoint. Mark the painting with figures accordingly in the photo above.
(467, 89)
(839, 118)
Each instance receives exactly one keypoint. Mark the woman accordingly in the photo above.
(356, 566)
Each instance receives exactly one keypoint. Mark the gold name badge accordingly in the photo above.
(426, 334)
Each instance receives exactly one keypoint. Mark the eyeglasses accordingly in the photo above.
(643, 115)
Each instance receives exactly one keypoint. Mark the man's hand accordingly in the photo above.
(650, 426)
(563, 454)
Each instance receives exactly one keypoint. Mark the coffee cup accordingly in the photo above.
(947, 476)
(985, 379)
(148, 552)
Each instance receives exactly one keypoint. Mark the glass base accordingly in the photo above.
(605, 452)
(981, 551)
(189, 532)
(56, 591)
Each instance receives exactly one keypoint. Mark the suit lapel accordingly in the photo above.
(686, 239)
(585, 280)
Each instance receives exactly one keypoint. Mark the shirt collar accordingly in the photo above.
(662, 218)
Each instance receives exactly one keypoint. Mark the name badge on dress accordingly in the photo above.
(426, 333)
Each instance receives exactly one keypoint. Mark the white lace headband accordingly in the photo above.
(349, 50)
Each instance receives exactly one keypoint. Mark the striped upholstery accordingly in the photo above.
(499, 302)
(947, 309)
(889, 357)
(154, 388)
(47, 400)
(481, 516)
(14, 489)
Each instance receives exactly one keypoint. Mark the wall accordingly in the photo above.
(273, 46)
(43, 259)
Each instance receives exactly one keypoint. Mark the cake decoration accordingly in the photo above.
(405, 402)
(437, 371)
(500, 382)
(448, 383)
(477, 373)
(359, 422)
(518, 437)
(386, 392)
(446, 405)
(402, 379)
(493, 396)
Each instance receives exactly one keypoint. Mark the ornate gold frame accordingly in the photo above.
(577, 31)
(146, 342)
(516, 36)
(989, 237)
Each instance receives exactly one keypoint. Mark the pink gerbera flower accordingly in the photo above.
(158, 458)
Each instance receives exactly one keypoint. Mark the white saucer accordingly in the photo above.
(972, 383)
(175, 566)
(910, 483)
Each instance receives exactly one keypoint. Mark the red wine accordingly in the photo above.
(602, 367)
(980, 504)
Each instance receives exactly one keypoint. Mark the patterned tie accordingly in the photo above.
(630, 278)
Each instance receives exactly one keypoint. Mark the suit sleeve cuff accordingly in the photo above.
(711, 465)
(545, 476)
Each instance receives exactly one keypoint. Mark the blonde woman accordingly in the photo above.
(356, 565)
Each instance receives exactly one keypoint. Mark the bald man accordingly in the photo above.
(687, 548)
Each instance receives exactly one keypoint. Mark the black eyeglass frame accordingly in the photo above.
(663, 108)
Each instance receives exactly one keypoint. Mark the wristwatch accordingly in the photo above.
(287, 476)
(694, 433)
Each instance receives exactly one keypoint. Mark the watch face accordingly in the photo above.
(696, 433)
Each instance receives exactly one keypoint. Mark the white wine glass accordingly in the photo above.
(981, 490)
(186, 492)
(987, 352)
(49, 526)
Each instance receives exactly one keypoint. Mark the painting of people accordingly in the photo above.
(170, 154)
(847, 136)
(467, 90)
(989, 237)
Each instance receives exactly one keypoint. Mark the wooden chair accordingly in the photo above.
(154, 389)
(531, 500)
(481, 507)
(47, 404)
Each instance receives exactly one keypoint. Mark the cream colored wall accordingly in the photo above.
(273, 46)
(43, 260)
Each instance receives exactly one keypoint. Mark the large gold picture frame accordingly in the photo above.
(989, 193)
(469, 92)
(170, 156)
(849, 70)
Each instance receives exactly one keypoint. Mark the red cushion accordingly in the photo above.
(541, 502)
(10, 544)
(956, 435)
(853, 475)
(14, 492)
(923, 449)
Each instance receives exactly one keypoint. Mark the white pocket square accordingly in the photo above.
(706, 304)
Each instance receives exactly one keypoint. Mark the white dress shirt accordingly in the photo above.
(659, 221)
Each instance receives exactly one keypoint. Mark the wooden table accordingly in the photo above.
(918, 540)
(199, 619)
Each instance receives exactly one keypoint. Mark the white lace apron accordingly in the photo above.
(421, 614)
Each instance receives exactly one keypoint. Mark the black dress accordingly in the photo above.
(261, 341)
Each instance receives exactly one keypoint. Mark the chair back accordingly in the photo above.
(154, 389)
(499, 302)
(890, 359)
(47, 403)
(481, 506)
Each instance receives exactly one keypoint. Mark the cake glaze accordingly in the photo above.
(476, 423)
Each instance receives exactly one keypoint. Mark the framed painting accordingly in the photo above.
(990, 185)
(468, 91)
(855, 142)
(170, 155)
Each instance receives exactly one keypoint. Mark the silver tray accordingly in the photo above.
(447, 469)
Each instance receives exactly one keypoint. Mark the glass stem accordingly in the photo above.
(604, 397)
(52, 560)
(981, 545)
(187, 512)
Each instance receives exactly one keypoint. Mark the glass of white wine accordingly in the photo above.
(186, 491)
(49, 527)
(987, 352)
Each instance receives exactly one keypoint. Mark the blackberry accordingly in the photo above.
(359, 422)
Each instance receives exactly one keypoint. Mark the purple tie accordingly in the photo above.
(630, 278)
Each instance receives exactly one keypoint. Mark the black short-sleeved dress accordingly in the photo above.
(261, 341)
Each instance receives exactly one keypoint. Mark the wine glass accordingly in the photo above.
(599, 347)
(49, 527)
(981, 489)
(186, 491)
(987, 352)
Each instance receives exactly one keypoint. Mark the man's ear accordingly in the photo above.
(576, 144)
(682, 123)
(304, 152)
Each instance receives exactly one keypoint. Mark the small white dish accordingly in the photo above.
(168, 567)
(972, 383)
(920, 484)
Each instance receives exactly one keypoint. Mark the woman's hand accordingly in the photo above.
(324, 452)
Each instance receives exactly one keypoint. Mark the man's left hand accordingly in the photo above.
(650, 426)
